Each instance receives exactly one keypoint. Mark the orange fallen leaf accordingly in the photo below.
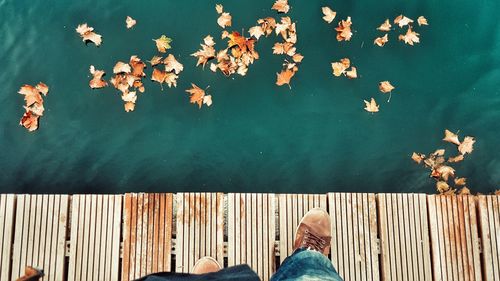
(137, 66)
(371, 106)
(297, 58)
(87, 33)
(97, 81)
(443, 172)
(284, 77)
(130, 22)
(344, 30)
(33, 105)
(198, 96)
(121, 67)
(417, 157)
(129, 106)
(29, 121)
(451, 137)
(329, 14)
(422, 21)
(386, 26)
(442, 187)
(155, 60)
(224, 20)
(256, 31)
(205, 54)
(456, 159)
(352, 74)
(460, 181)
(281, 6)
(385, 87)
(171, 64)
(338, 68)
(402, 20)
(380, 41)
(467, 145)
(464, 191)
(410, 37)
(268, 25)
(219, 8)
(163, 43)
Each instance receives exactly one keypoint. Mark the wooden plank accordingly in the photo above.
(92, 239)
(104, 210)
(115, 255)
(489, 236)
(373, 236)
(7, 207)
(271, 235)
(435, 237)
(345, 238)
(474, 237)
(411, 233)
(150, 232)
(384, 237)
(18, 234)
(361, 238)
(289, 222)
(355, 237)
(282, 226)
(259, 238)
(339, 230)
(197, 226)
(495, 231)
(457, 238)
(333, 243)
(265, 241)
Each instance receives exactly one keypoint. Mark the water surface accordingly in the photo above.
(257, 136)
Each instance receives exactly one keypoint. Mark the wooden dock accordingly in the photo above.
(123, 237)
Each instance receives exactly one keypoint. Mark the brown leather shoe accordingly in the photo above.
(314, 231)
(31, 274)
(206, 265)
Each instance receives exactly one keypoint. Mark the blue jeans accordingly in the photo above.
(302, 265)
(307, 265)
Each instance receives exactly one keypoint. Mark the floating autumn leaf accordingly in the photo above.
(451, 137)
(207, 51)
(198, 96)
(284, 77)
(386, 26)
(129, 106)
(224, 20)
(344, 30)
(338, 68)
(256, 31)
(219, 8)
(460, 181)
(422, 21)
(155, 60)
(402, 20)
(442, 187)
(380, 41)
(87, 33)
(385, 87)
(97, 81)
(33, 105)
(163, 43)
(297, 58)
(467, 145)
(121, 67)
(171, 64)
(352, 73)
(137, 66)
(417, 157)
(456, 159)
(281, 6)
(130, 22)
(443, 172)
(464, 191)
(329, 14)
(268, 25)
(371, 106)
(129, 76)
(284, 48)
(410, 37)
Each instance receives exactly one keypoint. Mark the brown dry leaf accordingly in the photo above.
(33, 105)
(443, 172)
(219, 8)
(121, 67)
(460, 181)
(31, 95)
(137, 66)
(281, 6)
(417, 157)
(439, 152)
(155, 60)
(284, 77)
(385, 87)
(198, 96)
(130, 22)
(371, 106)
(422, 21)
(205, 54)
(464, 191)
(268, 25)
(410, 37)
(451, 137)
(158, 75)
(456, 159)
(386, 26)
(442, 187)
(171, 64)
(29, 121)
(329, 14)
(209, 41)
(42, 88)
(97, 81)
(163, 43)
(284, 48)
(352, 74)
(87, 33)
(171, 79)
(297, 58)
(344, 30)
(380, 41)
(467, 145)
(402, 20)
(256, 31)
(497, 192)
(338, 68)
(224, 20)
(129, 106)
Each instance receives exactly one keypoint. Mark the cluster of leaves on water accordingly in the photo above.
(410, 37)
(33, 105)
(441, 168)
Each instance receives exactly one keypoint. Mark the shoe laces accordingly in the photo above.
(313, 241)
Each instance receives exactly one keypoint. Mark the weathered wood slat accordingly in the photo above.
(241, 218)
(489, 218)
(31, 212)
(354, 224)
(147, 235)
(7, 205)
(96, 256)
(453, 229)
(191, 222)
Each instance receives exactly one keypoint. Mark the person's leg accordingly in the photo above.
(309, 260)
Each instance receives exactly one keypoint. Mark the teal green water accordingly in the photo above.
(257, 136)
